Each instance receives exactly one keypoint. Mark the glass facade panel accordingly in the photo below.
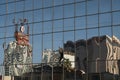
(80, 23)
(20, 6)
(69, 24)
(2, 22)
(3, 10)
(58, 2)
(92, 32)
(68, 11)
(80, 9)
(104, 32)
(58, 12)
(105, 19)
(2, 32)
(104, 6)
(115, 5)
(47, 27)
(58, 25)
(47, 14)
(47, 39)
(92, 21)
(116, 18)
(57, 40)
(70, 1)
(37, 41)
(80, 34)
(47, 3)
(36, 14)
(116, 31)
(60, 39)
(37, 4)
(92, 7)
(37, 29)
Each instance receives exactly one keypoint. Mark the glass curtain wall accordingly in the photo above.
(70, 39)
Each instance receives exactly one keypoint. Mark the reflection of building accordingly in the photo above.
(46, 55)
(53, 57)
(17, 59)
(102, 53)
(97, 54)
(50, 72)
(18, 54)
(50, 56)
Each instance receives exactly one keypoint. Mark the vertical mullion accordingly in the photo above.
(86, 43)
(75, 37)
(42, 38)
(99, 46)
(32, 33)
(112, 35)
(52, 35)
(63, 40)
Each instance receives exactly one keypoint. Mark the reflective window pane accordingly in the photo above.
(58, 12)
(104, 5)
(116, 18)
(68, 11)
(80, 23)
(80, 9)
(105, 19)
(92, 7)
(92, 21)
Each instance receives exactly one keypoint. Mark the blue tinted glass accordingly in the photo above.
(105, 19)
(2, 32)
(92, 21)
(92, 6)
(47, 41)
(69, 24)
(80, 34)
(116, 31)
(58, 12)
(37, 29)
(104, 5)
(68, 11)
(37, 15)
(106, 31)
(28, 5)
(11, 8)
(92, 32)
(2, 22)
(116, 18)
(19, 6)
(115, 5)
(58, 25)
(37, 4)
(47, 3)
(58, 2)
(57, 40)
(47, 27)
(80, 9)
(47, 14)
(80, 23)
(37, 50)
(70, 1)
(3, 9)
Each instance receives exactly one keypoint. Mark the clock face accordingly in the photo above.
(16, 57)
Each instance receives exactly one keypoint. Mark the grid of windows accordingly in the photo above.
(54, 22)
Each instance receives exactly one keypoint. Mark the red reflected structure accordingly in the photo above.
(20, 36)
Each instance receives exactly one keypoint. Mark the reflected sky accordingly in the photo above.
(53, 22)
